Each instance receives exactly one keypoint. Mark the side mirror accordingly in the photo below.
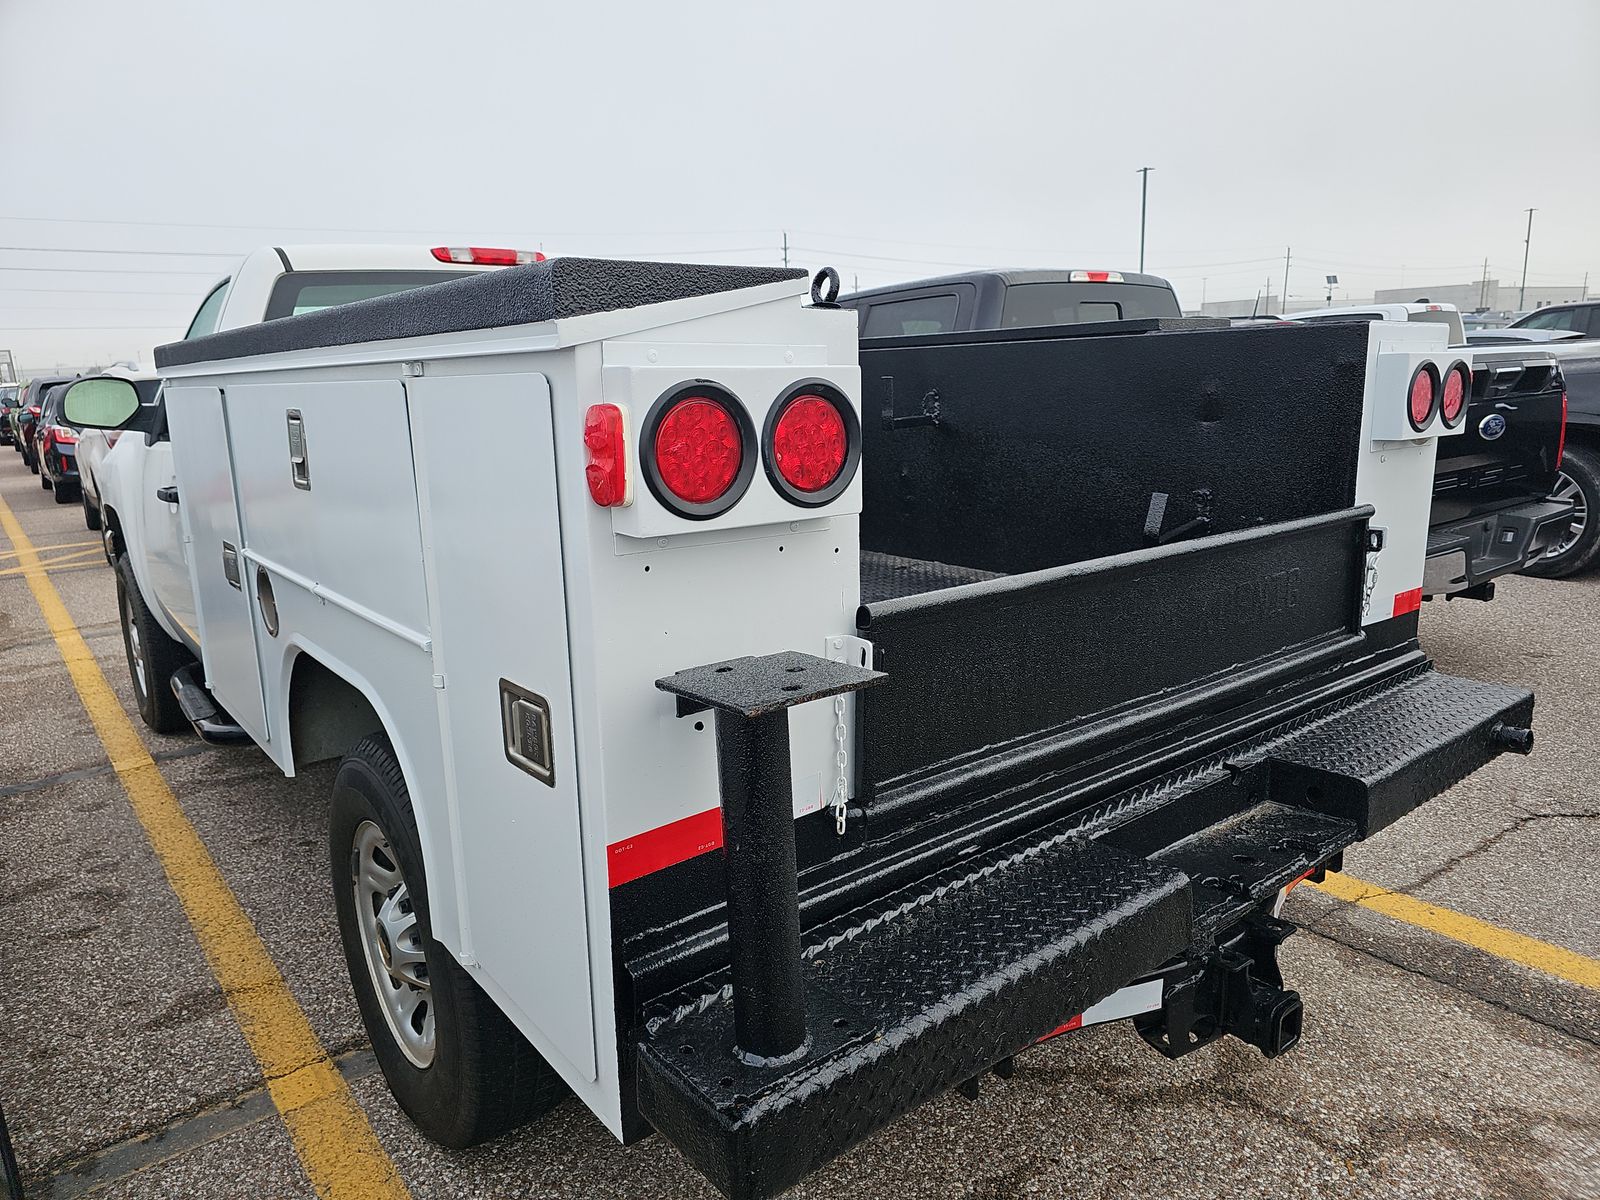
(103, 403)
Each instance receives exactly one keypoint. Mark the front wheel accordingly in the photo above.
(91, 514)
(1579, 543)
(453, 1060)
(153, 657)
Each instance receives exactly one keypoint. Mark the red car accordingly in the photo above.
(33, 393)
(55, 448)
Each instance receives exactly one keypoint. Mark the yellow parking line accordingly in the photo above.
(47, 549)
(336, 1145)
(78, 558)
(1491, 939)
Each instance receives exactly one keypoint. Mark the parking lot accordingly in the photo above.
(1436, 1061)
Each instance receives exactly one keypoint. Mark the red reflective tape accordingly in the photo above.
(654, 849)
(1075, 1023)
(1408, 602)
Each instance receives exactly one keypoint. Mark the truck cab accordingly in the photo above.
(1011, 300)
(271, 283)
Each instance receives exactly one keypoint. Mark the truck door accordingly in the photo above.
(208, 504)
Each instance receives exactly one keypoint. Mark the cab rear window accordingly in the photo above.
(905, 318)
(309, 291)
(1035, 304)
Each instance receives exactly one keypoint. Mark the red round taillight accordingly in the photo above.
(1422, 397)
(701, 451)
(812, 443)
(1453, 398)
(808, 443)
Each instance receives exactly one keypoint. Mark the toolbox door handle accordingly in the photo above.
(167, 495)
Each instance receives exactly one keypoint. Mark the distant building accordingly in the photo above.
(1490, 296)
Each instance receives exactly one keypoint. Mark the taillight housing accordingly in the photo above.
(486, 256)
(811, 443)
(1454, 394)
(605, 437)
(698, 450)
(1422, 397)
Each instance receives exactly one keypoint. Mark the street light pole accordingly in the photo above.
(1144, 200)
(1527, 243)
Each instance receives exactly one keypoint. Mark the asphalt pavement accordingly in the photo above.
(1429, 1068)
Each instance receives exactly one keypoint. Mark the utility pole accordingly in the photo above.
(1286, 252)
(1483, 288)
(1527, 244)
(786, 247)
(1144, 202)
(1203, 293)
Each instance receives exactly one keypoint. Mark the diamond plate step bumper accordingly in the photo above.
(941, 988)
(1375, 761)
(931, 986)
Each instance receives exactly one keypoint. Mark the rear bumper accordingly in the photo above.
(1464, 555)
(939, 981)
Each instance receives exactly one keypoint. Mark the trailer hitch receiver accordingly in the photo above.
(1235, 989)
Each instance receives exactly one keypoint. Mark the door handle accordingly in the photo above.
(167, 495)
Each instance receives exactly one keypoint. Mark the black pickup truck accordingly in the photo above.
(1499, 505)
(1578, 480)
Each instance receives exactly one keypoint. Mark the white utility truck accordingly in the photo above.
(764, 732)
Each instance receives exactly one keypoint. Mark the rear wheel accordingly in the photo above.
(1579, 543)
(453, 1060)
(65, 492)
(153, 657)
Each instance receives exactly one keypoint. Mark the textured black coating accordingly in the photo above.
(1376, 761)
(1406, 733)
(953, 978)
(1049, 447)
(1012, 661)
(889, 577)
(764, 906)
(765, 683)
(1242, 861)
(547, 291)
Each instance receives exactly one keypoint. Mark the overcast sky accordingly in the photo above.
(1387, 143)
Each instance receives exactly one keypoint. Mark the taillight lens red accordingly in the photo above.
(1420, 402)
(698, 450)
(812, 443)
(809, 443)
(486, 256)
(1453, 401)
(605, 439)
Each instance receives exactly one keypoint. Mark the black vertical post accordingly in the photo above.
(769, 1016)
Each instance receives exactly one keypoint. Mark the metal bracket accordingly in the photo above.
(929, 414)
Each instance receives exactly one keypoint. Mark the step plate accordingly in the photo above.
(948, 981)
(1374, 762)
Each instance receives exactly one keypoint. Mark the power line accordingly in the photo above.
(111, 270)
(432, 231)
(153, 253)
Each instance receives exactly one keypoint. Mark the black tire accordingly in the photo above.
(160, 656)
(484, 1078)
(91, 513)
(44, 480)
(66, 492)
(1581, 466)
(33, 462)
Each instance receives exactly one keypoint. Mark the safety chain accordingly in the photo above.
(1372, 582)
(841, 785)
